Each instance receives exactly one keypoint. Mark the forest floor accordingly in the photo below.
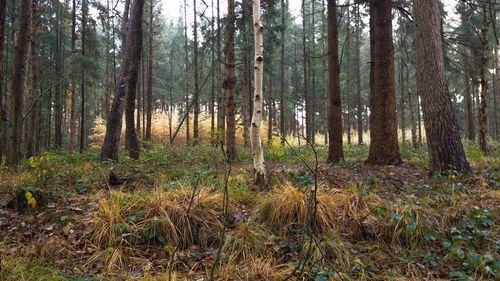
(369, 222)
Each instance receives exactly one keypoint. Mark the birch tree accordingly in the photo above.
(257, 150)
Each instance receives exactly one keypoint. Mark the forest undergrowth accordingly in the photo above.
(167, 217)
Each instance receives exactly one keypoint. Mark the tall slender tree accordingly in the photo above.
(335, 146)
(32, 116)
(2, 42)
(149, 107)
(384, 148)
(445, 147)
(18, 87)
(229, 84)
(284, 9)
(196, 94)
(82, 84)
(131, 49)
(260, 173)
(134, 49)
(359, 98)
(483, 116)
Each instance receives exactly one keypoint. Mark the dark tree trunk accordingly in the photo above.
(32, 117)
(149, 108)
(305, 54)
(483, 116)
(335, 149)
(384, 148)
(109, 150)
(58, 107)
(358, 77)
(229, 84)
(270, 113)
(2, 42)
(72, 118)
(221, 101)
(196, 95)
(443, 138)
(82, 86)
(469, 110)
(282, 73)
(134, 49)
(18, 87)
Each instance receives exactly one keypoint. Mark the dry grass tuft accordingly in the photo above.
(287, 206)
(108, 221)
(330, 250)
(283, 208)
(245, 242)
(261, 269)
(159, 217)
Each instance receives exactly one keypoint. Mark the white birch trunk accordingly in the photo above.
(257, 151)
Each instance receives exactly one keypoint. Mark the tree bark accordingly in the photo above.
(72, 118)
(58, 106)
(335, 145)
(18, 87)
(229, 84)
(132, 50)
(221, 102)
(384, 148)
(2, 61)
(307, 102)
(443, 138)
(284, 9)
(483, 116)
(469, 110)
(134, 37)
(149, 108)
(358, 77)
(82, 85)
(196, 95)
(260, 174)
(32, 117)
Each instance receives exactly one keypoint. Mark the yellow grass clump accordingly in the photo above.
(160, 217)
(246, 241)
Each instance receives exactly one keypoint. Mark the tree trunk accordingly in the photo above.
(139, 103)
(260, 174)
(221, 102)
(18, 87)
(307, 109)
(335, 148)
(212, 74)
(58, 107)
(245, 96)
(270, 112)
(229, 84)
(196, 95)
(483, 116)
(402, 103)
(72, 118)
(347, 57)
(134, 53)
(149, 108)
(109, 150)
(2, 80)
(284, 9)
(469, 110)
(82, 86)
(186, 62)
(443, 138)
(32, 117)
(384, 148)
(496, 93)
(358, 77)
